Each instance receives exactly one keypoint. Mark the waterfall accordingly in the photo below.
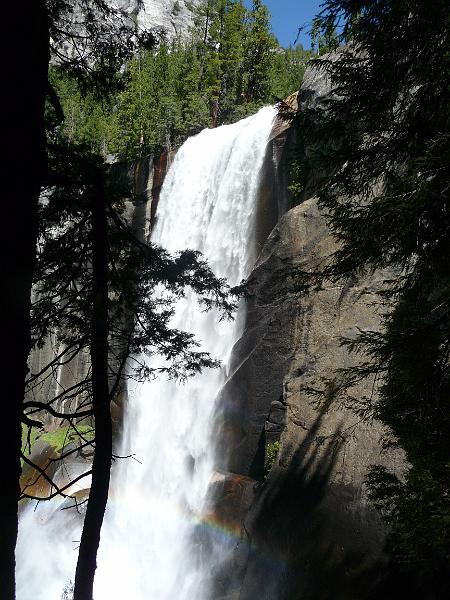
(149, 548)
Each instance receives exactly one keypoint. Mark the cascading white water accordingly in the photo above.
(148, 548)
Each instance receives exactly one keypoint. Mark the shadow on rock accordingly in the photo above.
(300, 541)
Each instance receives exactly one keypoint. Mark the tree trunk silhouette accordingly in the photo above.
(25, 76)
(98, 497)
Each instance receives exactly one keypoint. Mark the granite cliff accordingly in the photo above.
(173, 16)
(307, 528)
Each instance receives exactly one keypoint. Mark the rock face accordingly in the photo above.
(309, 524)
(141, 181)
(309, 531)
(173, 16)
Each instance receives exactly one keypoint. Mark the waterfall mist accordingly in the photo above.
(150, 547)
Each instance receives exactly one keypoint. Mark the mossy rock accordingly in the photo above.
(45, 451)
(59, 439)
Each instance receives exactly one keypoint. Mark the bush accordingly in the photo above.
(272, 451)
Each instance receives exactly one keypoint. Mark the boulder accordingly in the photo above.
(51, 463)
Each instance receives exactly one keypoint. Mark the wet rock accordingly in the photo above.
(311, 526)
(277, 414)
(44, 457)
(231, 498)
(233, 495)
(313, 509)
(52, 466)
(140, 184)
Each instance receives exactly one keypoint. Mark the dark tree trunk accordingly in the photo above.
(205, 36)
(25, 71)
(98, 497)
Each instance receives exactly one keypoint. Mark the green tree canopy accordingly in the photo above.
(388, 124)
(229, 67)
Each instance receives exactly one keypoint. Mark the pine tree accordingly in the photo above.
(388, 204)
(105, 43)
(286, 71)
(232, 58)
(177, 89)
(96, 290)
(259, 45)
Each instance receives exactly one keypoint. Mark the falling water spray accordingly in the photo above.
(149, 547)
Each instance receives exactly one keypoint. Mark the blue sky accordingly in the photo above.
(288, 16)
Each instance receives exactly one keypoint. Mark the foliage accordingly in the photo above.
(272, 451)
(324, 37)
(92, 41)
(259, 43)
(87, 117)
(297, 169)
(385, 144)
(418, 513)
(161, 104)
(29, 436)
(229, 68)
(138, 318)
(287, 67)
(58, 438)
(105, 97)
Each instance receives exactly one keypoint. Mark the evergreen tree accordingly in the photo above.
(155, 106)
(286, 71)
(324, 38)
(194, 108)
(87, 117)
(387, 200)
(112, 313)
(174, 91)
(105, 41)
(258, 47)
(23, 127)
(232, 58)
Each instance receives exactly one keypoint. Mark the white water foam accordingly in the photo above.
(148, 547)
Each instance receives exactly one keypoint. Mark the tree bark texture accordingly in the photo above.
(98, 497)
(24, 73)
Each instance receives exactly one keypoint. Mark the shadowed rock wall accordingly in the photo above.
(308, 530)
(141, 181)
